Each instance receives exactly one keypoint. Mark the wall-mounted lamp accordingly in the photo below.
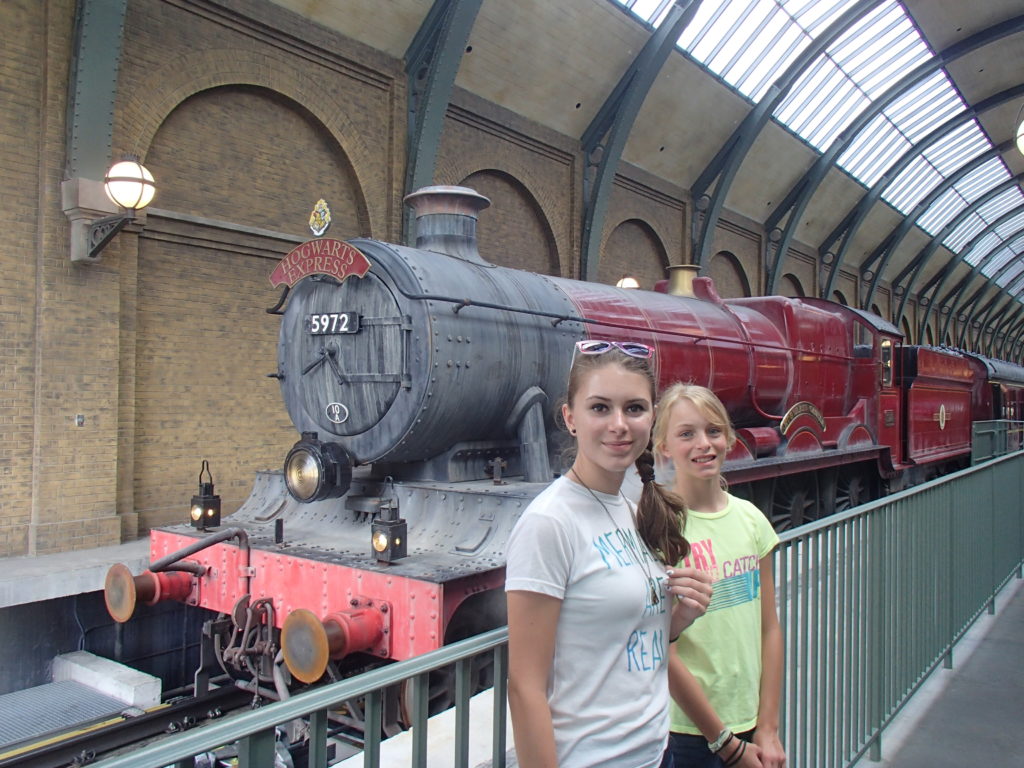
(627, 281)
(128, 185)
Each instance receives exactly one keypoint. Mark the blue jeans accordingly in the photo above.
(692, 751)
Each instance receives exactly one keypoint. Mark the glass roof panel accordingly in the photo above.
(1011, 274)
(942, 157)
(964, 233)
(749, 43)
(1014, 224)
(1015, 288)
(957, 147)
(996, 261)
(966, 190)
(648, 10)
(873, 150)
(945, 207)
(1013, 250)
(983, 248)
(914, 182)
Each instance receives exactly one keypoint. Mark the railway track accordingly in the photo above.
(87, 743)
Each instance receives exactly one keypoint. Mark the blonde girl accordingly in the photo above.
(725, 673)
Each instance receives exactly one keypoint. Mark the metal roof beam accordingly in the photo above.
(979, 313)
(982, 315)
(1004, 328)
(605, 138)
(431, 64)
(99, 31)
(800, 195)
(955, 294)
(1007, 347)
(722, 169)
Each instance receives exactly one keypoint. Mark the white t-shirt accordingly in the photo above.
(608, 686)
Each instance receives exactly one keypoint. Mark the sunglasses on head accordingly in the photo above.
(599, 347)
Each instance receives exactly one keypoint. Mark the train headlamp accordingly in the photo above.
(388, 532)
(205, 512)
(387, 537)
(315, 470)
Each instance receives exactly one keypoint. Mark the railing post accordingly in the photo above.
(420, 712)
(878, 535)
(948, 561)
(372, 728)
(318, 739)
(462, 683)
(257, 750)
(500, 735)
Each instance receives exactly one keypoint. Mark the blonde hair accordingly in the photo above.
(660, 513)
(703, 399)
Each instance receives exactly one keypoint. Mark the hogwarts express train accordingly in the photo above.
(424, 382)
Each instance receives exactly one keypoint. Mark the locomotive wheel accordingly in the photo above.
(795, 502)
(477, 614)
(852, 490)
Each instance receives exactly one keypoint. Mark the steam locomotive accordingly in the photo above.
(423, 382)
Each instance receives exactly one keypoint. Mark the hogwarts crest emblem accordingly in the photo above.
(320, 218)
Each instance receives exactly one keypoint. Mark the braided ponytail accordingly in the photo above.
(661, 515)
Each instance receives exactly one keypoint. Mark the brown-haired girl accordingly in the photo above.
(591, 608)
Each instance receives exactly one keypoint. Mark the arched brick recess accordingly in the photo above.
(730, 280)
(160, 91)
(633, 248)
(908, 337)
(269, 179)
(790, 286)
(513, 231)
(492, 141)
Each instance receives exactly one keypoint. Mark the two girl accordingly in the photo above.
(596, 602)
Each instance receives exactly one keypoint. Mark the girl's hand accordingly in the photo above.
(692, 589)
(752, 755)
(772, 753)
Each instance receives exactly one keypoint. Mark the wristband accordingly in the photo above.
(737, 754)
(721, 741)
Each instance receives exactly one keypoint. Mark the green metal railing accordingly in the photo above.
(990, 439)
(255, 731)
(870, 601)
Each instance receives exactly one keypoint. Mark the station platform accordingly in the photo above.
(970, 714)
(26, 580)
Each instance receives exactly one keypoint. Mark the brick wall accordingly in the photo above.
(21, 79)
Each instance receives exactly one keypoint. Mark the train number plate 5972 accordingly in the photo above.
(324, 323)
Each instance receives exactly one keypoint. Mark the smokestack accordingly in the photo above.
(680, 279)
(446, 220)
